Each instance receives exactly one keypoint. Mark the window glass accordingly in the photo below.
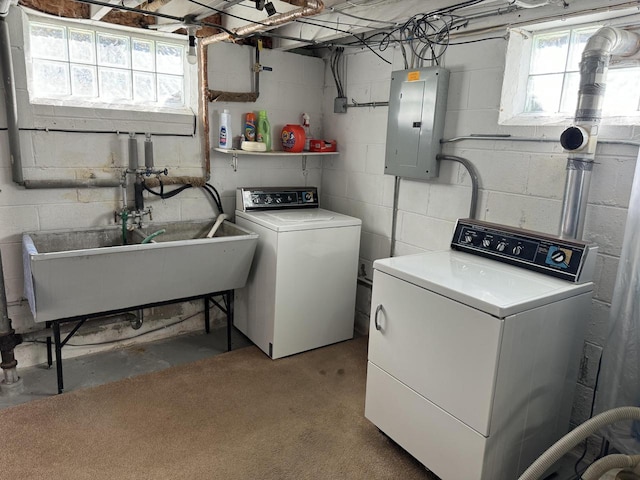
(80, 62)
(51, 78)
(169, 90)
(144, 87)
(142, 55)
(83, 81)
(115, 84)
(113, 51)
(82, 48)
(554, 76)
(169, 58)
(543, 93)
(549, 53)
(48, 42)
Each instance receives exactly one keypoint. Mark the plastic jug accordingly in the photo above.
(264, 130)
(225, 138)
(250, 127)
(293, 138)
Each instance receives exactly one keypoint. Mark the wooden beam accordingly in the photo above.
(60, 8)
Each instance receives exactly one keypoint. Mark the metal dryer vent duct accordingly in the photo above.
(580, 139)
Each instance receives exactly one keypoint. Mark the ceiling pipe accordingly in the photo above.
(580, 140)
(311, 7)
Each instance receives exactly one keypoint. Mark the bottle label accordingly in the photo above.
(223, 136)
(250, 132)
(288, 139)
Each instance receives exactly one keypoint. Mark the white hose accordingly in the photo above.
(574, 437)
(597, 469)
(222, 217)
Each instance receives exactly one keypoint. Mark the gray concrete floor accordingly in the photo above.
(99, 368)
(96, 369)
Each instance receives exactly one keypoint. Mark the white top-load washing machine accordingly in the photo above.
(301, 289)
(473, 360)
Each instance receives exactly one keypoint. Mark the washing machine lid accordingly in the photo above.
(299, 219)
(498, 289)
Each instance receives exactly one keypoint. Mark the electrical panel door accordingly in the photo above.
(417, 107)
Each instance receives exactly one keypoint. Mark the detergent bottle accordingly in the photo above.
(250, 127)
(264, 130)
(226, 137)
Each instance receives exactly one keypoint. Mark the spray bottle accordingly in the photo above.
(307, 130)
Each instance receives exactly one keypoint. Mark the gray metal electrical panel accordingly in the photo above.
(417, 107)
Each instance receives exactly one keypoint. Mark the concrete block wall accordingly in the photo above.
(522, 183)
(294, 86)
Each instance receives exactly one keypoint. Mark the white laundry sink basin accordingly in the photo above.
(76, 272)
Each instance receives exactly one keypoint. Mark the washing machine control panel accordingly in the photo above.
(567, 259)
(262, 198)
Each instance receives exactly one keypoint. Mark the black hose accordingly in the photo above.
(210, 189)
(163, 195)
(215, 195)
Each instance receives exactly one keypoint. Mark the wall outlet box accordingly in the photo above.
(340, 105)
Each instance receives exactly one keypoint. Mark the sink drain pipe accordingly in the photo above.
(8, 341)
(580, 139)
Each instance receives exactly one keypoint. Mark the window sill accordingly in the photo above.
(156, 121)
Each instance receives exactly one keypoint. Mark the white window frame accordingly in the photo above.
(518, 60)
(93, 116)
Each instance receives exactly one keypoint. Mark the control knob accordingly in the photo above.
(501, 246)
(486, 242)
(517, 250)
(558, 256)
(468, 238)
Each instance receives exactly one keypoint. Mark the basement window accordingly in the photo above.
(542, 77)
(99, 66)
(81, 74)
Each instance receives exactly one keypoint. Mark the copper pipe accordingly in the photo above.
(203, 107)
(311, 7)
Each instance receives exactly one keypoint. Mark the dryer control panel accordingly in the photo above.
(567, 259)
(272, 198)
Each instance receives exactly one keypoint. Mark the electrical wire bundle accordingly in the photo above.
(426, 34)
(336, 63)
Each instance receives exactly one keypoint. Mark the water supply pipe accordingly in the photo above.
(8, 341)
(580, 140)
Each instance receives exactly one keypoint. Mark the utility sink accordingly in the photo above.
(70, 273)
